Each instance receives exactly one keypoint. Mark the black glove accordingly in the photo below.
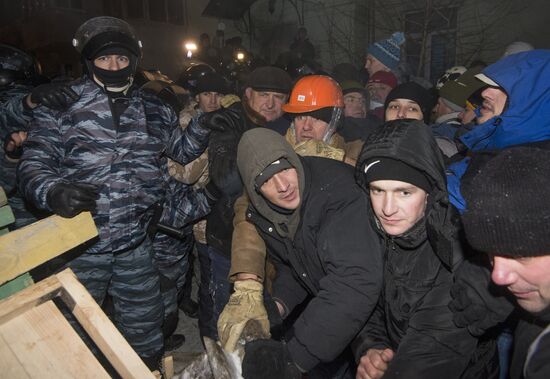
(268, 359)
(225, 120)
(69, 199)
(276, 327)
(227, 127)
(55, 96)
(478, 303)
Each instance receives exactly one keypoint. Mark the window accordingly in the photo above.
(157, 10)
(439, 45)
(175, 11)
(442, 54)
(72, 4)
(11, 10)
(112, 8)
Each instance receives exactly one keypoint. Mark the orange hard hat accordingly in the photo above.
(314, 92)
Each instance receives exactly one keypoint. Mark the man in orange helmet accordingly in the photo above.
(316, 106)
(316, 103)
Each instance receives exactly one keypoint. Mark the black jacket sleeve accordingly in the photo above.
(373, 335)
(433, 346)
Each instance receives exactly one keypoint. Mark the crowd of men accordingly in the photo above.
(367, 229)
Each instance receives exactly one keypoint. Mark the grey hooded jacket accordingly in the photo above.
(326, 250)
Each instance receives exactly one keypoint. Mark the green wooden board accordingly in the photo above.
(6, 216)
(15, 285)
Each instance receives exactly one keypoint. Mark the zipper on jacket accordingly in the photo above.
(392, 243)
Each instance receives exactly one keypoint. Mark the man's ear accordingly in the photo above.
(197, 98)
(248, 93)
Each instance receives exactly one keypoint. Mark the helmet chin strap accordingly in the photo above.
(333, 124)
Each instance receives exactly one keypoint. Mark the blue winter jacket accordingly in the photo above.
(526, 79)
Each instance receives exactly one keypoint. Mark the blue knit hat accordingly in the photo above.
(388, 51)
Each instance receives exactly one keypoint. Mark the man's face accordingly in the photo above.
(378, 92)
(494, 101)
(112, 62)
(307, 127)
(397, 205)
(403, 108)
(528, 279)
(355, 105)
(209, 101)
(283, 189)
(268, 104)
(373, 65)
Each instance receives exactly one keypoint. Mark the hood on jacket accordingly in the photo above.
(411, 142)
(258, 148)
(524, 77)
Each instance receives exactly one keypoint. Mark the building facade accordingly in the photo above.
(46, 28)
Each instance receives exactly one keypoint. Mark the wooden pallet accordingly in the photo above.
(37, 341)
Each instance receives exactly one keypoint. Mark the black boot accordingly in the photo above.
(153, 362)
(173, 342)
(189, 307)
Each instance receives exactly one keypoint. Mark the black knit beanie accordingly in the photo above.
(415, 92)
(275, 167)
(507, 204)
(393, 169)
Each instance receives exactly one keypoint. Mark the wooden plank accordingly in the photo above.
(46, 346)
(9, 363)
(106, 336)
(28, 298)
(28, 247)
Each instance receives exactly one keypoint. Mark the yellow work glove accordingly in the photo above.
(246, 303)
(228, 100)
(314, 148)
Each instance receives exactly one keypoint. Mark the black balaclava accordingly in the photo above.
(114, 82)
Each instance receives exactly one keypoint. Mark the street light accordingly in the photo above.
(191, 47)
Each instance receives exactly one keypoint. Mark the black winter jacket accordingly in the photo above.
(412, 316)
(537, 362)
(532, 331)
(328, 251)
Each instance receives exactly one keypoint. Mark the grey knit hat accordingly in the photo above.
(508, 207)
